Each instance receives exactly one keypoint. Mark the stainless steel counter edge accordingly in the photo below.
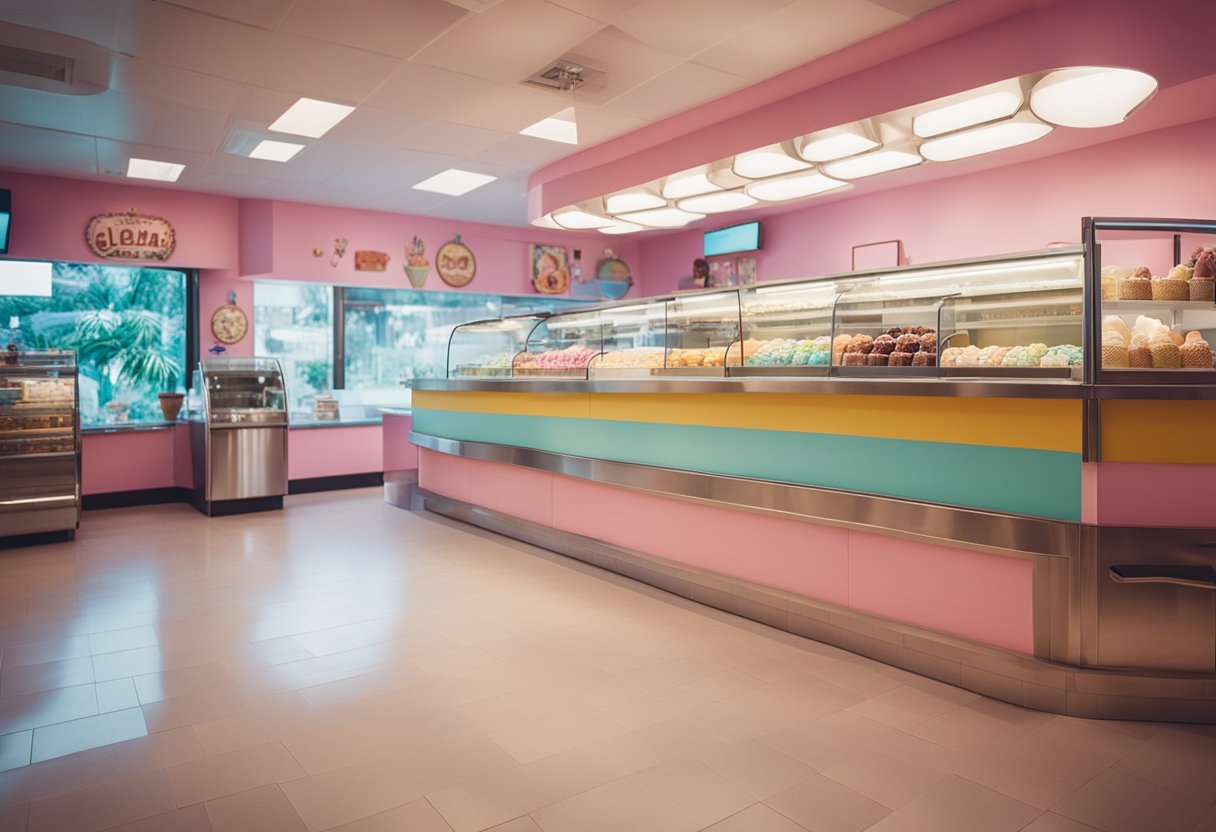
(989, 388)
(1003, 534)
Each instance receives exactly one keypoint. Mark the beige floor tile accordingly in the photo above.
(518, 825)
(199, 706)
(415, 816)
(903, 707)
(1117, 802)
(677, 796)
(829, 741)
(116, 695)
(956, 805)
(187, 819)
(1182, 760)
(650, 747)
(824, 805)
(1051, 822)
(100, 808)
(470, 719)
(236, 771)
(33, 678)
(112, 641)
(668, 674)
(532, 740)
(888, 780)
(50, 650)
(755, 767)
(90, 732)
(264, 809)
(1208, 824)
(157, 687)
(721, 685)
(33, 710)
(15, 749)
(344, 745)
(14, 818)
(652, 708)
(756, 818)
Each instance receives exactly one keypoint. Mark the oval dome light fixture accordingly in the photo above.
(968, 112)
(830, 146)
(661, 218)
(794, 186)
(638, 200)
(619, 227)
(1090, 96)
(545, 221)
(1021, 129)
(688, 183)
(576, 219)
(766, 161)
(716, 203)
(869, 164)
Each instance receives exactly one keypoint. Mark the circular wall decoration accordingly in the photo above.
(229, 324)
(455, 263)
(613, 276)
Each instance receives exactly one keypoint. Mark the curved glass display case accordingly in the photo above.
(488, 348)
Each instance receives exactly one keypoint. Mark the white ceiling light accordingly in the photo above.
(766, 161)
(1090, 96)
(1020, 129)
(716, 203)
(661, 218)
(828, 148)
(633, 201)
(310, 117)
(454, 182)
(794, 186)
(275, 151)
(688, 183)
(150, 169)
(967, 113)
(868, 164)
(545, 222)
(559, 127)
(619, 227)
(576, 219)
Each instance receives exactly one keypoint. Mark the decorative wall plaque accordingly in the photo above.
(131, 236)
(455, 263)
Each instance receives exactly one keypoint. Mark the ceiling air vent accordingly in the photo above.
(564, 75)
(42, 65)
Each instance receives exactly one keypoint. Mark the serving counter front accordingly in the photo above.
(1046, 539)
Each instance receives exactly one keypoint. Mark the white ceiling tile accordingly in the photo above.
(184, 38)
(796, 34)
(603, 10)
(685, 86)
(232, 184)
(510, 41)
(389, 172)
(598, 125)
(315, 163)
(625, 64)
(687, 27)
(33, 148)
(425, 91)
(506, 107)
(372, 126)
(264, 14)
(168, 83)
(524, 152)
(112, 158)
(912, 8)
(389, 28)
(454, 139)
(259, 107)
(319, 70)
(95, 21)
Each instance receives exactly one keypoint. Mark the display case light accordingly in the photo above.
(762, 162)
(1021, 129)
(576, 219)
(980, 109)
(635, 200)
(869, 164)
(828, 147)
(794, 186)
(1090, 96)
(688, 183)
(662, 218)
(716, 203)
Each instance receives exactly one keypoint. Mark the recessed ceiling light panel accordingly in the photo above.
(967, 113)
(766, 161)
(1021, 129)
(869, 164)
(1090, 96)
(794, 186)
(454, 182)
(662, 218)
(310, 117)
(275, 151)
(716, 203)
(553, 129)
(151, 169)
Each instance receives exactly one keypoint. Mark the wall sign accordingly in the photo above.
(550, 276)
(371, 261)
(130, 236)
(455, 263)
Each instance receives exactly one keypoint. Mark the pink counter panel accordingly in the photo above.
(979, 596)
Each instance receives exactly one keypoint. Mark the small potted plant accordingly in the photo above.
(171, 405)
(416, 265)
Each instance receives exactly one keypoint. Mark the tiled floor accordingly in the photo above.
(347, 665)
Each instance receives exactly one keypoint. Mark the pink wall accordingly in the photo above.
(975, 595)
(128, 461)
(503, 264)
(333, 451)
(399, 454)
(1166, 173)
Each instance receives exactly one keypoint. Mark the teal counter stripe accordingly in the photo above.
(1015, 480)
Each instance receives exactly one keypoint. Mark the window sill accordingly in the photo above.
(308, 424)
(128, 427)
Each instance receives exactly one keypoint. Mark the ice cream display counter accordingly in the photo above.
(953, 468)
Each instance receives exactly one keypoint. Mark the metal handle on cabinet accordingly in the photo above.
(1198, 577)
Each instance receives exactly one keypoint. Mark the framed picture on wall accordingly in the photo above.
(550, 273)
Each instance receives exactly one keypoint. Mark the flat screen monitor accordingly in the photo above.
(5, 218)
(733, 238)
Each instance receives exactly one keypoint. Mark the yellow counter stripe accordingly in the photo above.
(1158, 431)
(1045, 424)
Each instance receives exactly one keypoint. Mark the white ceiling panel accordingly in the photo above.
(315, 163)
(95, 21)
(179, 37)
(112, 158)
(687, 27)
(374, 127)
(523, 152)
(670, 93)
(233, 184)
(510, 41)
(259, 107)
(453, 139)
(390, 28)
(390, 171)
(795, 35)
(38, 149)
(605, 11)
(425, 91)
(598, 125)
(264, 14)
(625, 62)
(320, 70)
(168, 83)
(507, 107)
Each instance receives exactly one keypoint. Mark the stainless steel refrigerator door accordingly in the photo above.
(247, 462)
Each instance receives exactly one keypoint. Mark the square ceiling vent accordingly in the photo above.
(563, 75)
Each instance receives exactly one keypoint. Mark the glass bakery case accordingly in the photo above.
(562, 345)
(488, 348)
(633, 338)
(1154, 282)
(39, 443)
(790, 325)
(242, 390)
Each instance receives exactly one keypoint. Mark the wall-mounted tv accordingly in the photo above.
(6, 215)
(733, 238)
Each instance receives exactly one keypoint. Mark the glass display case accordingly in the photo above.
(1154, 284)
(242, 391)
(39, 443)
(488, 348)
(561, 345)
(633, 340)
(704, 333)
(791, 327)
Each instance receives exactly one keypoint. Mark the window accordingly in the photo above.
(126, 325)
(293, 322)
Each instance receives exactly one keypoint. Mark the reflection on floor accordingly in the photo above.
(343, 664)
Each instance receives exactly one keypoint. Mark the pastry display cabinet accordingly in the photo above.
(39, 443)
(486, 349)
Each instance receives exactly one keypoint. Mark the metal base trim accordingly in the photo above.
(1000, 674)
